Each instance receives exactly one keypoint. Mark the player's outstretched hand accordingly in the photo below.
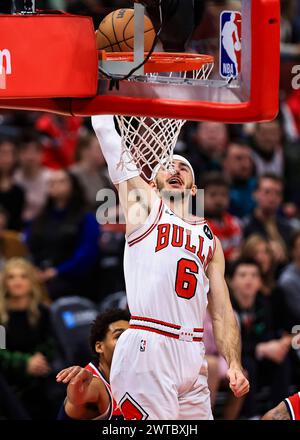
(79, 380)
(238, 382)
(67, 374)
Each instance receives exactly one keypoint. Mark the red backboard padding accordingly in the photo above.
(45, 56)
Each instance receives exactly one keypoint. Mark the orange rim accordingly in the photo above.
(163, 61)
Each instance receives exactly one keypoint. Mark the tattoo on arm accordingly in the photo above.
(280, 414)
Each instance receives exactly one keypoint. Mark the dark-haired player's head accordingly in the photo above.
(105, 332)
(245, 281)
(216, 195)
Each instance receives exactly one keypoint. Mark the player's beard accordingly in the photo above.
(174, 196)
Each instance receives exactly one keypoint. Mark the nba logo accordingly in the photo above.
(230, 44)
(143, 345)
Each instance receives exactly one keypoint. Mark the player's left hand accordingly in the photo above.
(238, 382)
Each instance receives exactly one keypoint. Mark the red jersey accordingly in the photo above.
(229, 232)
(293, 406)
(115, 412)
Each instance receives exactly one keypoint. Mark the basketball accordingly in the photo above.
(116, 32)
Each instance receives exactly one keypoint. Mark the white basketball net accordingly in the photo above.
(149, 141)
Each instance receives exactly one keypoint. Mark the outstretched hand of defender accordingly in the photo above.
(79, 380)
(67, 374)
(238, 382)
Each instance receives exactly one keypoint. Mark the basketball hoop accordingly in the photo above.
(150, 141)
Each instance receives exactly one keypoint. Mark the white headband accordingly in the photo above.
(175, 157)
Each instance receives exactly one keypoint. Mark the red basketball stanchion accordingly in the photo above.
(51, 64)
(46, 56)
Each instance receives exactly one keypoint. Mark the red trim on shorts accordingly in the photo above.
(150, 229)
(154, 330)
(155, 321)
(166, 324)
(160, 332)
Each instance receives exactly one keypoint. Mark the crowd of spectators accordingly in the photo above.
(52, 247)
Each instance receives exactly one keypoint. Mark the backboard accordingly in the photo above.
(242, 36)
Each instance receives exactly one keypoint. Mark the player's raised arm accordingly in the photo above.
(134, 192)
(226, 330)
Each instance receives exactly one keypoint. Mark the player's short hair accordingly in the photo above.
(102, 322)
(244, 262)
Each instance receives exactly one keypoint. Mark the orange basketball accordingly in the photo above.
(116, 32)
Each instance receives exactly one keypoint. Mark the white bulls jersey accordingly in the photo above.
(164, 263)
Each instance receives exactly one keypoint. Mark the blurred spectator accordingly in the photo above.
(29, 344)
(14, 123)
(238, 167)
(64, 239)
(292, 179)
(11, 242)
(61, 135)
(217, 374)
(265, 219)
(12, 197)
(263, 356)
(208, 147)
(258, 248)
(111, 271)
(10, 406)
(224, 225)
(289, 280)
(268, 151)
(91, 169)
(32, 177)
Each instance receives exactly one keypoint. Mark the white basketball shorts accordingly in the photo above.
(156, 377)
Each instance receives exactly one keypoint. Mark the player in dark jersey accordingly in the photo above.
(89, 395)
(289, 409)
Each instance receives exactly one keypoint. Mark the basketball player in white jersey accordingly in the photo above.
(173, 266)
